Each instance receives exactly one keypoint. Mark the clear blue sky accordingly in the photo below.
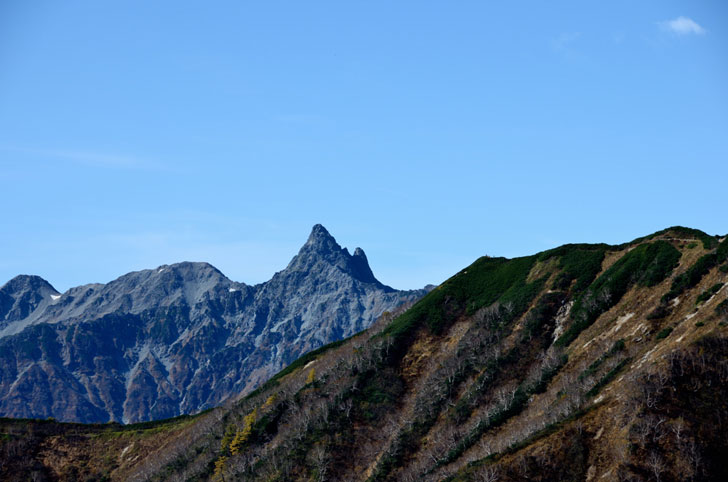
(138, 133)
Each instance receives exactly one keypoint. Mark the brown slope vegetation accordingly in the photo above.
(586, 362)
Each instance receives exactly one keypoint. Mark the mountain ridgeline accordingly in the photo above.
(581, 363)
(177, 339)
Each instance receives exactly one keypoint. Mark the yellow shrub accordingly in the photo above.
(270, 401)
(219, 468)
(242, 436)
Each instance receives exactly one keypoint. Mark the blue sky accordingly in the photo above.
(137, 133)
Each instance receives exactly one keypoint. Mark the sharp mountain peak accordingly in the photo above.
(322, 247)
(319, 232)
(320, 241)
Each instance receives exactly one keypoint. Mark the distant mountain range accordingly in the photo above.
(586, 362)
(176, 339)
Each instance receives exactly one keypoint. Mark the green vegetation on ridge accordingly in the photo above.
(707, 294)
(580, 262)
(645, 265)
(691, 277)
(481, 284)
(708, 241)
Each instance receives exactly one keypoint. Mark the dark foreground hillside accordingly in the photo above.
(586, 362)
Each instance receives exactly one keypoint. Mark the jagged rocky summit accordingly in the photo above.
(176, 339)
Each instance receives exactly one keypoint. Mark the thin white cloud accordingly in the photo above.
(93, 159)
(682, 26)
(98, 159)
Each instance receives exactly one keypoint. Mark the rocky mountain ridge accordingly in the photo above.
(584, 362)
(176, 339)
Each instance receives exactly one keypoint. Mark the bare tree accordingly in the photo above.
(656, 465)
(321, 460)
(695, 458)
(678, 428)
(345, 407)
(485, 446)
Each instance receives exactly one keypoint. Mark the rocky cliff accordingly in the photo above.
(176, 339)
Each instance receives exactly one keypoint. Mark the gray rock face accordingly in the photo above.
(22, 296)
(177, 339)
